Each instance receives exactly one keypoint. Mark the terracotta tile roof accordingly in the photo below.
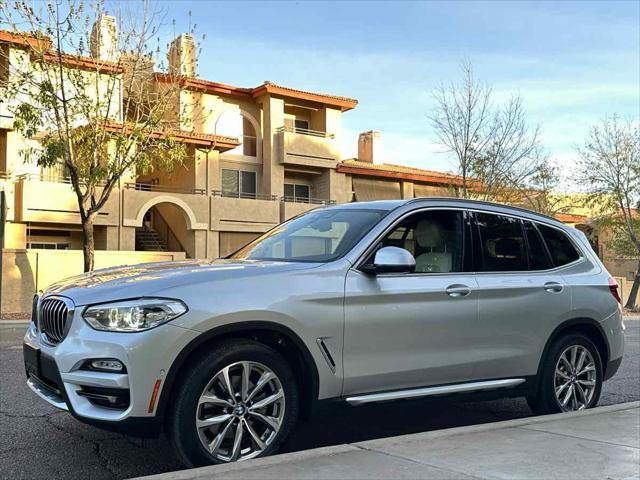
(345, 103)
(25, 39)
(218, 142)
(570, 218)
(198, 84)
(400, 172)
(44, 43)
(43, 46)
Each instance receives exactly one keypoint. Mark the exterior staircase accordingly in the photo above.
(148, 240)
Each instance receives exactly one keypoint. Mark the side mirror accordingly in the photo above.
(392, 260)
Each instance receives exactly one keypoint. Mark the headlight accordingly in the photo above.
(133, 315)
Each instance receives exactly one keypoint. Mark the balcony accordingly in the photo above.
(311, 148)
(243, 212)
(138, 198)
(51, 199)
(292, 206)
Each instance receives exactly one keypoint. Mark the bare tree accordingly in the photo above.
(94, 118)
(496, 152)
(544, 194)
(608, 170)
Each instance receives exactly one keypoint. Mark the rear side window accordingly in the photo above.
(502, 243)
(538, 256)
(560, 247)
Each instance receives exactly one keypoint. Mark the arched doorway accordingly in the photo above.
(165, 227)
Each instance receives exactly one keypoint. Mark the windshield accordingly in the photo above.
(319, 236)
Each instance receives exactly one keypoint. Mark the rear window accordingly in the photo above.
(560, 247)
(538, 256)
(502, 243)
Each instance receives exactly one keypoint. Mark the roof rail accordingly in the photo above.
(483, 202)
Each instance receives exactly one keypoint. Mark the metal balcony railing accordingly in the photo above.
(316, 201)
(251, 196)
(51, 178)
(151, 187)
(305, 131)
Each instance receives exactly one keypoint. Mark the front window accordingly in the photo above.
(319, 236)
(435, 238)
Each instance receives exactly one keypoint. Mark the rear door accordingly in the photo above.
(520, 296)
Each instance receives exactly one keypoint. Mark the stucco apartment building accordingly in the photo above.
(260, 156)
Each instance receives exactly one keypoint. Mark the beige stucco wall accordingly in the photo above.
(300, 149)
(232, 241)
(25, 271)
(243, 215)
(137, 202)
(422, 190)
(39, 201)
(291, 209)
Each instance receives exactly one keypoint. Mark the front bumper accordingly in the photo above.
(60, 378)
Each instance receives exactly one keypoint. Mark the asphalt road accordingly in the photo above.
(37, 441)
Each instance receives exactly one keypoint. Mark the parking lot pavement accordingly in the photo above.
(37, 441)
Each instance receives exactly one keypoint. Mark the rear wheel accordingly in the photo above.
(237, 402)
(571, 376)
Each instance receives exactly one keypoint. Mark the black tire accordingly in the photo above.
(545, 401)
(181, 418)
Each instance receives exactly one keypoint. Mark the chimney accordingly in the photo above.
(370, 148)
(182, 56)
(104, 38)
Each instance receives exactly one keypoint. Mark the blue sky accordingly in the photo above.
(572, 62)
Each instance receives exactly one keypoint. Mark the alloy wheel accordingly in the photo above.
(575, 378)
(240, 411)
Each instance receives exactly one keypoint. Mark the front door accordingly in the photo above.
(415, 329)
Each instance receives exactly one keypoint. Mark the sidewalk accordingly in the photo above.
(596, 444)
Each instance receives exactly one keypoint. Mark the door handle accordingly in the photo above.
(553, 287)
(458, 290)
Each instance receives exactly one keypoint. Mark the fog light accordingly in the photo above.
(107, 365)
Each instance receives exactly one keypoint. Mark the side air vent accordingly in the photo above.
(326, 354)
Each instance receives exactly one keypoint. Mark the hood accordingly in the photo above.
(147, 279)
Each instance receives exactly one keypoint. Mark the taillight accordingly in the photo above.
(615, 289)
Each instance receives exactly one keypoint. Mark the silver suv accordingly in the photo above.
(365, 302)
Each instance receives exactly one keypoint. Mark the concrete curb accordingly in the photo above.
(518, 422)
(219, 470)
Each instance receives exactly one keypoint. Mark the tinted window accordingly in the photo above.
(435, 239)
(538, 256)
(560, 247)
(318, 236)
(501, 243)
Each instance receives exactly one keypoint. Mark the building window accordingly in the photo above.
(294, 192)
(297, 125)
(249, 139)
(239, 183)
(48, 245)
(302, 124)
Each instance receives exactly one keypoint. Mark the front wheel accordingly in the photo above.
(239, 401)
(571, 376)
